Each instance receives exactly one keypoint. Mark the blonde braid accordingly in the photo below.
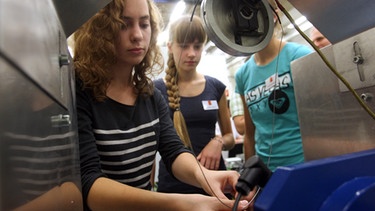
(171, 83)
(174, 98)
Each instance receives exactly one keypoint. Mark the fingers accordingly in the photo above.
(226, 204)
(212, 164)
(243, 205)
(217, 165)
(209, 163)
(202, 160)
(233, 178)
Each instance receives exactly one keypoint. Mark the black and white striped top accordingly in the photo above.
(120, 141)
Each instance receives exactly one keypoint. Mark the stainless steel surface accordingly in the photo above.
(218, 17)
(39, 157)
(356, 58)
(332, 121)
(32, 37)
(338, 19)
(39, 146)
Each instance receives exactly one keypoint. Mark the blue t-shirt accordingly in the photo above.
(200, 122)
(273, 110)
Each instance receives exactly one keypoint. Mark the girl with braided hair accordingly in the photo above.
(196, 102)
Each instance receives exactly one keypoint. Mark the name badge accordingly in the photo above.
(210, 105)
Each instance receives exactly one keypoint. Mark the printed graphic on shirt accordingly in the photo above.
(210, 105)
(278, 101)
(272, 97)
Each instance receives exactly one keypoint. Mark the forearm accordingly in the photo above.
(249, 137)
(249, 140)
(225, 125)
(186, 168)
(67, 197)
(213, 182)
(107, 194)
(239, 123)
(248, 146)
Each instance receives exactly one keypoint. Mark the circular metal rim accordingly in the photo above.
(222, 42)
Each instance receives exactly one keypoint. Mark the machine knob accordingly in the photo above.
(358, 59)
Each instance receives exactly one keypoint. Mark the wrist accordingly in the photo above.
(220, 140)
(200, 176)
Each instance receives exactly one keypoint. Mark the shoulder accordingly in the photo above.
(154, 100)
(79, 84)
(157, 94)
(297, 49)
(243, 69)
(211, 81)
(81, 91)
(214, 86)
(159, 83)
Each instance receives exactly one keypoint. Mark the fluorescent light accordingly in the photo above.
(299, 21)
(163, 38)
(178, 10)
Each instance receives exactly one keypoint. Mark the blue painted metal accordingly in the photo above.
(357, 194)
(306, 186)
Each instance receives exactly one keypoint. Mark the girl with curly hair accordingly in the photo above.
(123, 121)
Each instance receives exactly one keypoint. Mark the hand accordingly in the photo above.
(216, 183)
(199, 202)
(221, 182)
(250, 198)
(210, 156)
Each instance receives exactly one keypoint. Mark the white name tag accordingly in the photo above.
(210, 105)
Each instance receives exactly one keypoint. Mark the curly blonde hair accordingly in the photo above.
(94, 50)
(186, 29)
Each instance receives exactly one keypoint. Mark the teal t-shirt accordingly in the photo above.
(269, 95)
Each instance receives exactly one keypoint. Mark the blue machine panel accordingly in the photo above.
(307, 186)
